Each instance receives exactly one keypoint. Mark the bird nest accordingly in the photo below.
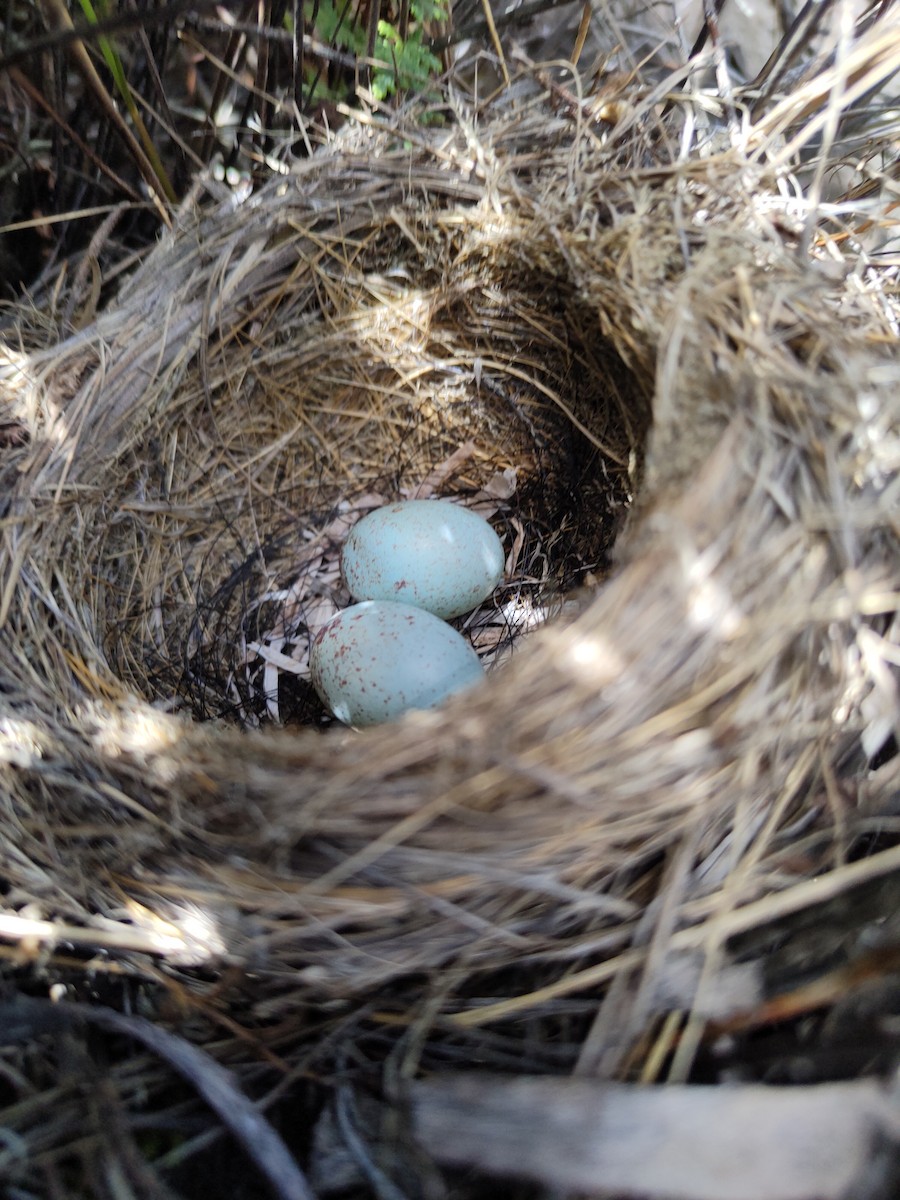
(675, 399)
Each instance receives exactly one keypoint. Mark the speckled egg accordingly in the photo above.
(376, 660)
(430, 553)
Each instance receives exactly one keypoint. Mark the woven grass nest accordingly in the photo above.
(676, 396)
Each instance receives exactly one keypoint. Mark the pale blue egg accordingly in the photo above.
(430, 553)
(376, 660)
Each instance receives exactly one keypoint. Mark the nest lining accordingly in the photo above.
(307, 417)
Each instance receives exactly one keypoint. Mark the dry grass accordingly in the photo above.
(604, 310)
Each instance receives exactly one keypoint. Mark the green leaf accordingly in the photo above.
(428, 10)
(331, 29)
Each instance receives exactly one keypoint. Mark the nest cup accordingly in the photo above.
(342, 335)
(422, 354)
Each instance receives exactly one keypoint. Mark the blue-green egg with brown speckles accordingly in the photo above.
(375, 661)
(431, 553)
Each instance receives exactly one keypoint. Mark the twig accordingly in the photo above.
(214, 1083)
